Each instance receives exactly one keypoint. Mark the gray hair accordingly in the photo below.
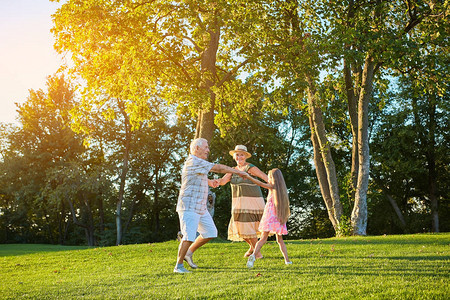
(197, 143)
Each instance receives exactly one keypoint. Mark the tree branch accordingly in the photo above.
(197, 47)
(234, 70)
(411, 11)
(412, 23)
(414, 19)
(74, 217)
(377, 67)
(200, 23)
(162, 17)
(180, 66)
(143, 3)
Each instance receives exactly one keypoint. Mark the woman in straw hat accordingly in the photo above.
(247, 201)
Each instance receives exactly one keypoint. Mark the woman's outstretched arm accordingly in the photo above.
(260, 183)
(225, 179)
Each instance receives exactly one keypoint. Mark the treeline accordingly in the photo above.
(348, 98)
(59, 186)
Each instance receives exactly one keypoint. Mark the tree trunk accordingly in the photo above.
(430, 142)
(66, 230)
(205, 121)
(359, 213)
(322, 178)
(352, 105)
(352, 90)
(434, 203)
(123, 175)
(89, 232)
(397, 210)
(120, 199)
(61, 224)
(156, 208)
(325, 168)
(90, 236)
(90, 221)
(101, 214)
(431, 164)
(138, 197)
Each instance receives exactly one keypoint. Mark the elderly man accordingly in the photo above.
(192, 202)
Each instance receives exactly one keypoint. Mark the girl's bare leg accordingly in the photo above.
(282, 247)
(260, 243)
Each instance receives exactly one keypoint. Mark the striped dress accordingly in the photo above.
(246, 209)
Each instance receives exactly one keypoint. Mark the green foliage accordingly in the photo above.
(345, 227)
(135, 57)
(276, 134)
(54, 190)
(154, 176)
(325, 37)
(311, 221)
(410, 152)
(135, 51)
(386, 267)
(42, 144)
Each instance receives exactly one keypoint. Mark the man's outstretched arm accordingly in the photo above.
(219, 168)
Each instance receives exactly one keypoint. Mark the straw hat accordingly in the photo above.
(240, 148)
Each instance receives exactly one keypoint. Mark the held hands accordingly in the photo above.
(216, 182)
(213, 183)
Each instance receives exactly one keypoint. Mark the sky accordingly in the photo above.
(27, 55)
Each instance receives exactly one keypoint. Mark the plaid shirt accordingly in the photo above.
(194, 185)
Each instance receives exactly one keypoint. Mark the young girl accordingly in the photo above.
(276, 213)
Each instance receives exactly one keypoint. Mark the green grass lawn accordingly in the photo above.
(375, 267)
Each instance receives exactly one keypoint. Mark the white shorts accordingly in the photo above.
(192, 222)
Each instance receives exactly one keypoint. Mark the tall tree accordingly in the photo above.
(358, 38)
(93, 115)
(137, 50)
(43, 141)
(155, 167)
(184, 51)
(81, 186)
(377, 31)
(179, 50)
(410, 143)
(425, 82)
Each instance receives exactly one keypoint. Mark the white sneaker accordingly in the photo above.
(288, 262)
(251, 261)
(181, 270)
(190, 262)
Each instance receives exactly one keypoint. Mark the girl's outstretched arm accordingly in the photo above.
(258, 173)
(260, 183)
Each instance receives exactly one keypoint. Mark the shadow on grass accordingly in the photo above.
(299, 268)
(333, 256)
(374, 271)
(413, 239)
(23, 249)
(415, 258)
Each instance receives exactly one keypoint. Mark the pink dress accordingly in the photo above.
(269, 221)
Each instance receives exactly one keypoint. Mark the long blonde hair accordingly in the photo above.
(280, 196)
